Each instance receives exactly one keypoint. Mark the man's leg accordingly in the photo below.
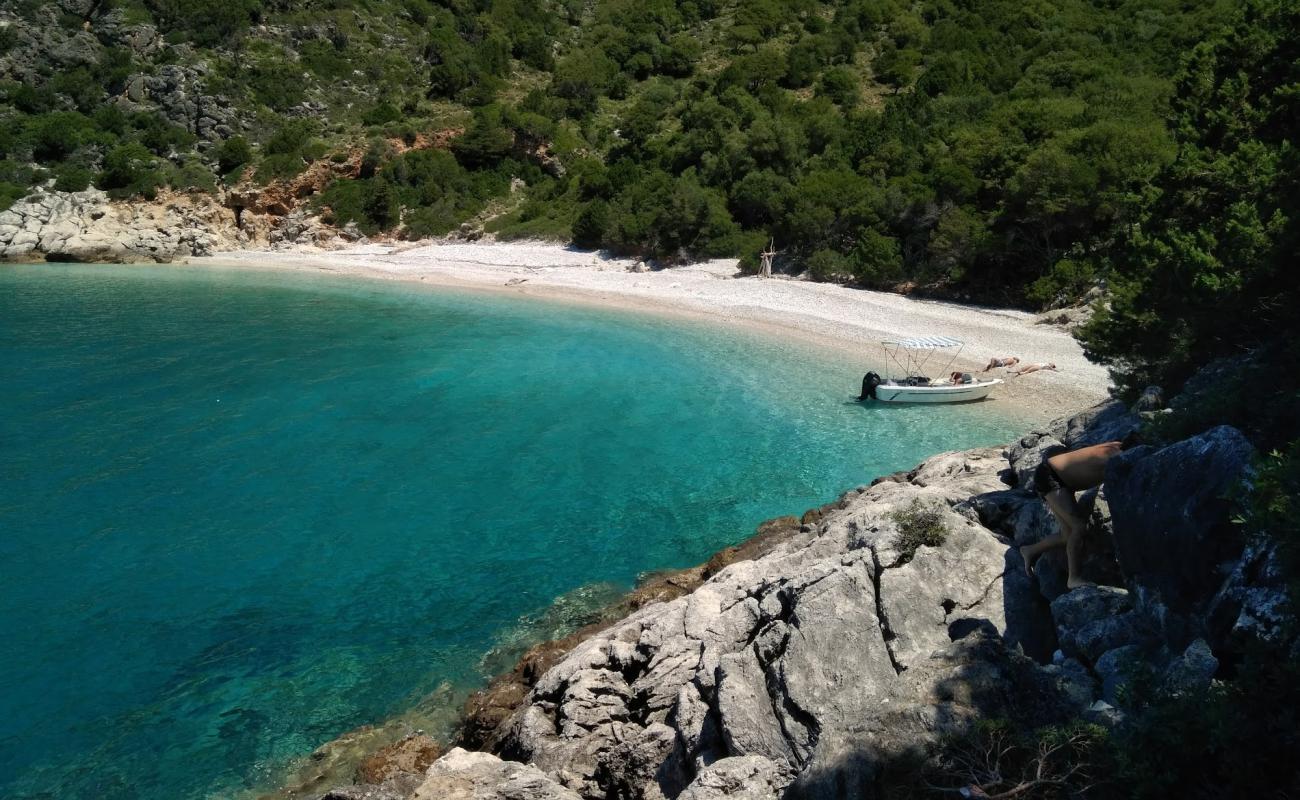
(1031, 552)
(1073, 526)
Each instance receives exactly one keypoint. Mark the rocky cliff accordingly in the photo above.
(883, 623)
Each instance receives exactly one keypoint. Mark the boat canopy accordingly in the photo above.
(924, 342)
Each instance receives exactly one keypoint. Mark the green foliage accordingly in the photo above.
(56, 135)
(896, 67)
(130, 169)
(982, 148)
(325, 58)
(11, 193)
(192, 175)
(288, 151)
(840, 85)
(1206, 268)
(919, 525)
(1237, 736)
(1273, 508)
(487, 140)
(203, 22)
(1068, 279)
(590, 227)
(829, 265)
(669, 218)
(232, 154)
(71, 177)
(276, 85)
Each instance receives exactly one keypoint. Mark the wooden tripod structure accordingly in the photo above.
(765, 260)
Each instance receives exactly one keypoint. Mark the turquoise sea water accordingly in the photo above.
(241, 513)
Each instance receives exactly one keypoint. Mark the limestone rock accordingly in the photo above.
(1027, 454)
(810, 663)
(87, 226)
(1107, 421)
(1117, 668)
(412, 754)
(1192, 671)
(462, 775)
(1252, 604)
(1170, 514)
(1152, 399)
(367, 792)
(1077, 613)
(740, 778)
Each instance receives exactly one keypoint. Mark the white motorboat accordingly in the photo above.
(910, 356)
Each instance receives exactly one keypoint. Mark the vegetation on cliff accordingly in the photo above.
(995, 149)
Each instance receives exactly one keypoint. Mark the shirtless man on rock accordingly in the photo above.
(1060, 475)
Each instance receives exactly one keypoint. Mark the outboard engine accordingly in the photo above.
(869, 383)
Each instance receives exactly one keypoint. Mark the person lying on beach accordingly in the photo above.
(1001, 361)
(1061, 474)
(1028, 368)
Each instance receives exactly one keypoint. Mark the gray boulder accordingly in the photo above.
(1170, 509)
(1253, 602)
(1108, 421)
(1027, 454)
(1192, 671)
(805, 669)
(1117, 668)
(1093, 619)
(738, 778)
(461, 775)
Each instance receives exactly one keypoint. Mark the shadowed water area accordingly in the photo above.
(242, 512)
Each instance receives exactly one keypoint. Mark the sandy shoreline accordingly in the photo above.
(853, 321)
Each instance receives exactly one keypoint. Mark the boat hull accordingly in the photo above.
(941, 393)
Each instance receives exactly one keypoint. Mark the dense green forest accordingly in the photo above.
(986, 149)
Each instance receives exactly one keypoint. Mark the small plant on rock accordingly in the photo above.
(919, 524)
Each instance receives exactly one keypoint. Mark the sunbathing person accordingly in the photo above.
(1001, 361)
(1028, 368)
(1061, 474)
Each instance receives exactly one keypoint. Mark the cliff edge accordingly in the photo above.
(901, 616)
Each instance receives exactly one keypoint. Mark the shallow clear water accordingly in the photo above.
(241, 513)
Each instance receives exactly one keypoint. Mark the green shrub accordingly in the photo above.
(276, 85)
(919, 525)
(80, 86)
(232, 154)
(129, 170)
(325, 59)
(70, 177)
(840, 85)
(1068, 280)
(192, 175)
(56, 135)
(279, 166)
(381, 114)
(11, 193)
(590, 226)
(206, 22)
(426, 222)
(877, 259)
(829, 265)
(161, 136)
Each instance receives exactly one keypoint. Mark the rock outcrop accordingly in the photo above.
(87, 226)
(839, 646)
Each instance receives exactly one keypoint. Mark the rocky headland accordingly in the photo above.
(812, 659)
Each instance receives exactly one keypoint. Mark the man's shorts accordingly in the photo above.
(1046, 479)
